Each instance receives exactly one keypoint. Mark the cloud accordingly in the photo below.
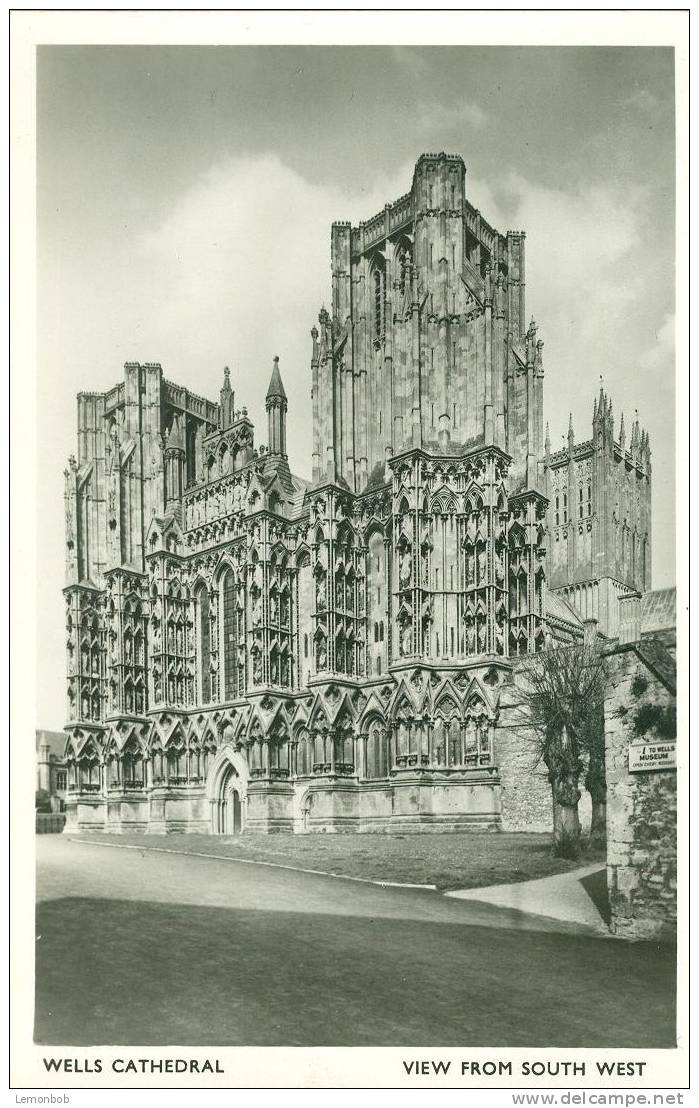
(644, 100)
(446, 118)
(661, 356)
(411, 58)
(592, 285)
(238, 271)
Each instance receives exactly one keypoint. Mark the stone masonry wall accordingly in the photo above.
(527, 804)
(526, 793)
(641, 810)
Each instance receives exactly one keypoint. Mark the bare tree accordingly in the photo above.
(563, 698)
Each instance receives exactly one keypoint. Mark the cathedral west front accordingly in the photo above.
(252, 650)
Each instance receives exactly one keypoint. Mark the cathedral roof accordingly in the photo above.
(558, 608)
(658, 610)
(377, 478)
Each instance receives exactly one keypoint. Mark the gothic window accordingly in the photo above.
(565, 507)
(305, 594)
(303, 760)
(203, 643)
(589, 498)
(376, 753)
(379, 299)
(557, 509)
(376, 610)
(230, 635)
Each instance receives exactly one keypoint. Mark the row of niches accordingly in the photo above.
(445, 740)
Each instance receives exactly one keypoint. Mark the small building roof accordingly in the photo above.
(658, 610)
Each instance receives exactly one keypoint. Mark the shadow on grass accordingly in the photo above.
(127, 972)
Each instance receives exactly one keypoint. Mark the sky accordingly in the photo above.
(184, 203)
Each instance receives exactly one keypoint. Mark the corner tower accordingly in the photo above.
(427, 346)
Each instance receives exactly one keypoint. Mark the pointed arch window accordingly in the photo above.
(204, 644)
(230, 635)
(378, 285)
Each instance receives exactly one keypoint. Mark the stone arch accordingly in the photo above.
(227, 775)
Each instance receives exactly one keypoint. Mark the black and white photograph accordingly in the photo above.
(357, 608)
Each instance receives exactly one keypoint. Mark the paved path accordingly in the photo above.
(147, 948)
(561, 897)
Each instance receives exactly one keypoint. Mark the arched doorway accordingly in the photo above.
(227, 813)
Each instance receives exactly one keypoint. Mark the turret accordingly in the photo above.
(276, 406)
(571, 434)
(174, 453)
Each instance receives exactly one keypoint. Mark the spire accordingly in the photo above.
(622, 433)
(175, 440)
(276, 388)
(227, 399)
(571, 432)
(547, 441)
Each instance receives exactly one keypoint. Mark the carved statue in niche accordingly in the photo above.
(273, 609)
(320, 594)
(470, 562)
(499, 567)
(481, 637)
(405, 567)
(274, 670)
(257, 611)
(406, 639)
(482, 565)
(256, 667)
(321, 654)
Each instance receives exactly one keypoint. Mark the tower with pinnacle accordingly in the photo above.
(599, 491)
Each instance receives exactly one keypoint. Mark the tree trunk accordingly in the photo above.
(598, 822)
(566, 830)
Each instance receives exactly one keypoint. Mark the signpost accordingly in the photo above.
(652, 756)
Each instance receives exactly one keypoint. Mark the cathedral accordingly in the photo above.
(253, 651)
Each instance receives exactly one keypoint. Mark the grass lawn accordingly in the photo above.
(449, 861)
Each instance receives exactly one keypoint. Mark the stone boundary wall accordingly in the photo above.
(641, 809)
(525, 790)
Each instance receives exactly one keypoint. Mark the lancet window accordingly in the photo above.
(202, 605)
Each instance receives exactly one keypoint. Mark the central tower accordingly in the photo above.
(427, 346)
